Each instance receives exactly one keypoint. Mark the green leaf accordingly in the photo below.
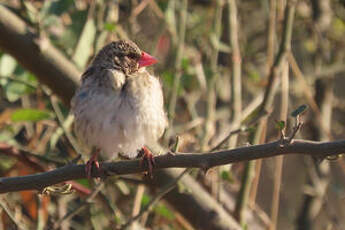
(254, 75)
(84, 182)
(227, 176)
(186, 83)
(52, 20)
(111, 27)
(7, 65)
(162, 210)
(145, 200)
(310, 45)
(168, 79)
(6, 162)
(22, 83)
(299, 111)
(338, 27)
(14, 90)
(185, 63)
(85, 43)
(30, 115)
(8, 133)
(280, 125)
(182, 188)
(72, 32)
(55, 7)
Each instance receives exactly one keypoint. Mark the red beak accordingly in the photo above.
(146, 60)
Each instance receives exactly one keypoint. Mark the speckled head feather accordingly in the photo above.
(119, 55)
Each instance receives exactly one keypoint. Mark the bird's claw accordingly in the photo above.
(93, 161)
(88, 168)
(149, 158)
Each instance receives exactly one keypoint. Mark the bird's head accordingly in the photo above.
(124, 55)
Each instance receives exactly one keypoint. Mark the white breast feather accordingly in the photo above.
(121, 123)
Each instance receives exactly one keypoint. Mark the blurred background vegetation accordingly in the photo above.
(214, 70)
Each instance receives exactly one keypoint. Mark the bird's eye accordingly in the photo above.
(132, 55)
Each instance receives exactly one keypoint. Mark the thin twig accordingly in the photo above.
(328, 71)
(247, 113)
(138, 9)
(211, 93)
(236, 71)
(157, 198)
(295, 129)
(40, 213)
(283, 113)
(271, 34)
(156, 9)
(280, 159)
(179, 55)
(307, 91)
(80, 207)
(24, 82)
(24, 154)
(245, 128)
(62, 124)
(137, 202)
(10, 215)
(236, 131)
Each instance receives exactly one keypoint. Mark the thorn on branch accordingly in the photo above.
(177, 145)
(296, 128)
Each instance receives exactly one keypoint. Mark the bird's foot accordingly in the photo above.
(146, 155)
(93, 161)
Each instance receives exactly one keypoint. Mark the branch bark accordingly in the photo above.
(184, 160)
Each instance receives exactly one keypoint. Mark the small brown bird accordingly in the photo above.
(119, 105)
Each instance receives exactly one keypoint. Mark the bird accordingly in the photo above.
(119, 107)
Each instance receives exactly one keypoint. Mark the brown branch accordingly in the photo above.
(36, 54)
(186, 160)
(236, 71)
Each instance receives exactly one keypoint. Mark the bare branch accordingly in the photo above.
(36, 54)
(186, 160)
(236, 70)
